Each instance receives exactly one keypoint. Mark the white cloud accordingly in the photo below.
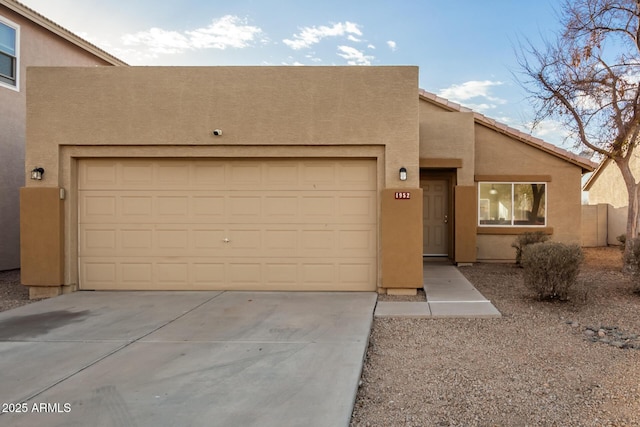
(370, 46)
(471, 89)
(309, 36)
(158, 40)
(226, 32)
(481, 108)
(392, 45)
(550, 130)
(313, 58)
(354, 56)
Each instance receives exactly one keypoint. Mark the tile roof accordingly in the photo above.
(586, 164)
(60, 31)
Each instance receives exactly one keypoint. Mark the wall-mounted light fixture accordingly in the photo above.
(403, 174)
(217, 132)
(37, 173)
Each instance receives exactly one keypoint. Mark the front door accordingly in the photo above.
(435, 217)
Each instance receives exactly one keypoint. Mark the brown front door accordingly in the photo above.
(435, 217)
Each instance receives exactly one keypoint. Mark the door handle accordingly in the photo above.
(446, 219)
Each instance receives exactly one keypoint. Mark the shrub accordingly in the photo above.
(551, 268)
(632, 261)
(525, 239)
(623, 240)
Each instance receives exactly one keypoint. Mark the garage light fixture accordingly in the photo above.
(37, 173)
(403, 174)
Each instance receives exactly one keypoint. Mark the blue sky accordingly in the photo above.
(464, 48)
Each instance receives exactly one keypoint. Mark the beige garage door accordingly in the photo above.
(227, 224)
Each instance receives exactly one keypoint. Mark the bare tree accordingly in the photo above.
(588, 78)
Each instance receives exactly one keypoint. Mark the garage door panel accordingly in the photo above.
(244, 207)
(99, 273)
(208, 174)
(357, 175)
(173, 273)
(134, 274)
(281, 240)
(357, 208)
(208, 208)
(136, 239)
(281, 274)
(208, 239)
(227, 224)
(98, 207)
(209, 274)
(172, 239)
(356, 274)
(291, 241)
(99, 240)
(248, 273)
(119, 273)
(280, 175)
(347, 207)
(222, 174)
(281, 207)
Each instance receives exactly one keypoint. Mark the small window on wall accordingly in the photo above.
(9, 38)
(512, 204)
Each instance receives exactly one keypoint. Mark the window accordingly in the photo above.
(9, 38)
(519, 204)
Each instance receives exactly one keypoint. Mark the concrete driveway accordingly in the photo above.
(184, 359)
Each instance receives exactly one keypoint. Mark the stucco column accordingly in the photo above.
(42, 240)
(401, 238)
(465, 207)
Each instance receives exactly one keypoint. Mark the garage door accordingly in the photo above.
(227, 224)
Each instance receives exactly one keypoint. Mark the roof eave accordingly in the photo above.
(60, 31)
(596, 173)
(585, 164)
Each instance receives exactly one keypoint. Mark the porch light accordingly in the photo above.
(403, 174)
(493, 190)
(37, 173)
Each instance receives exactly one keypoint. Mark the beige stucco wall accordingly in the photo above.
(37, 47)
(609, 188)
(498, 154)
(594, 225)
(448, 135)
(262, 111)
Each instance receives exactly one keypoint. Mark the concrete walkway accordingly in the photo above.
(448, 295)
(184, 359)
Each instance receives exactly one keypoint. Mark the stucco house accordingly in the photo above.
(609, 200)
(273, 178)
(27, 38)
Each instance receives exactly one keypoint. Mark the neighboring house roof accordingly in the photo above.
(594, 176)
(46, 23)
(586, 164)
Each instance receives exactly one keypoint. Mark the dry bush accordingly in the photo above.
(525, 239)
(632, 261)
(551, 268)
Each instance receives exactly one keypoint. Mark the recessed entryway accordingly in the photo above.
(437, 213)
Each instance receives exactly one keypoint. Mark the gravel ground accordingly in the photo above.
(538, 365)
(541, 364)
(12, 293)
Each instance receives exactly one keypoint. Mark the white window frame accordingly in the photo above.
(16, 27)
(512, 220)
